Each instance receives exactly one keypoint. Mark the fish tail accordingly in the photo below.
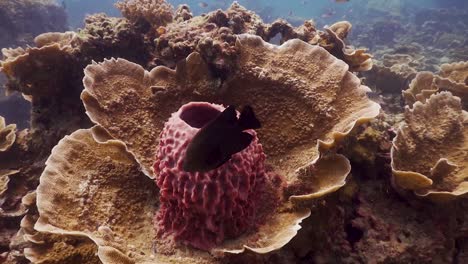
(248, 120)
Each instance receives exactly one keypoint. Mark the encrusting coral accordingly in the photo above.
(429, 151)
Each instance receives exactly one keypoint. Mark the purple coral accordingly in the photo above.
(203, 209)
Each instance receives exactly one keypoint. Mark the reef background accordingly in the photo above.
(367, 221)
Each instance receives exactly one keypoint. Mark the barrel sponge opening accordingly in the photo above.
(198, 115)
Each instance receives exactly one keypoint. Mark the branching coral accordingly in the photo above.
(429, 151)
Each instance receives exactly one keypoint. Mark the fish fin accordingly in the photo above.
(247, 119)
(229, 115)
(237, 144)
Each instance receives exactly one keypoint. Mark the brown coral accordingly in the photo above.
(357, 60)
(452, 77)
(429, 153)
(148, 99)
(112, 176)
(7, 135)
(262, 66)
(155, 12)
(213, 36)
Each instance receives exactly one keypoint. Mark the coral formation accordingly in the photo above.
(165, 90)
(7, 135)
(452, 77)
(323, 190)
(155, 12)
(20, 22)
(429, 151)
(111, 168)
(213, 36)
(416, 39)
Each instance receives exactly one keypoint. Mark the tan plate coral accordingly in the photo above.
(114, 203)
(430, 151)
(297, 105)
(302, 109)
(452, 77)
(7, 135)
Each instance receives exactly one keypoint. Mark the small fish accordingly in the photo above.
(217, 141)
(290, 13)
(202, 4)
(341, 1)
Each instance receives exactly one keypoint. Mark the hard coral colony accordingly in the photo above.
(99, 176)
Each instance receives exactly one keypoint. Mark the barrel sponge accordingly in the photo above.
(202, 209)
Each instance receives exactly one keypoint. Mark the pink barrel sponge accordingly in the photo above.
(204, 209)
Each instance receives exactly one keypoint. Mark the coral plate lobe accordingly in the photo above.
(204, 209)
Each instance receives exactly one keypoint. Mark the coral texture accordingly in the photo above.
(204, 209)
(154, 96)
(7, 135)
(214, 36)
(429, 151)
(155, 12)
(20, 22)
(112, 177)
(452, 77)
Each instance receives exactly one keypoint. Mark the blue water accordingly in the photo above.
(326, 10)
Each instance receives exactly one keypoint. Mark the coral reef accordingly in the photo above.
(435, 136)
(155, 12)
(213, 36)
(97, 178)
(154, 96)
(408, 41)
(452, 77)
(20, 22)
